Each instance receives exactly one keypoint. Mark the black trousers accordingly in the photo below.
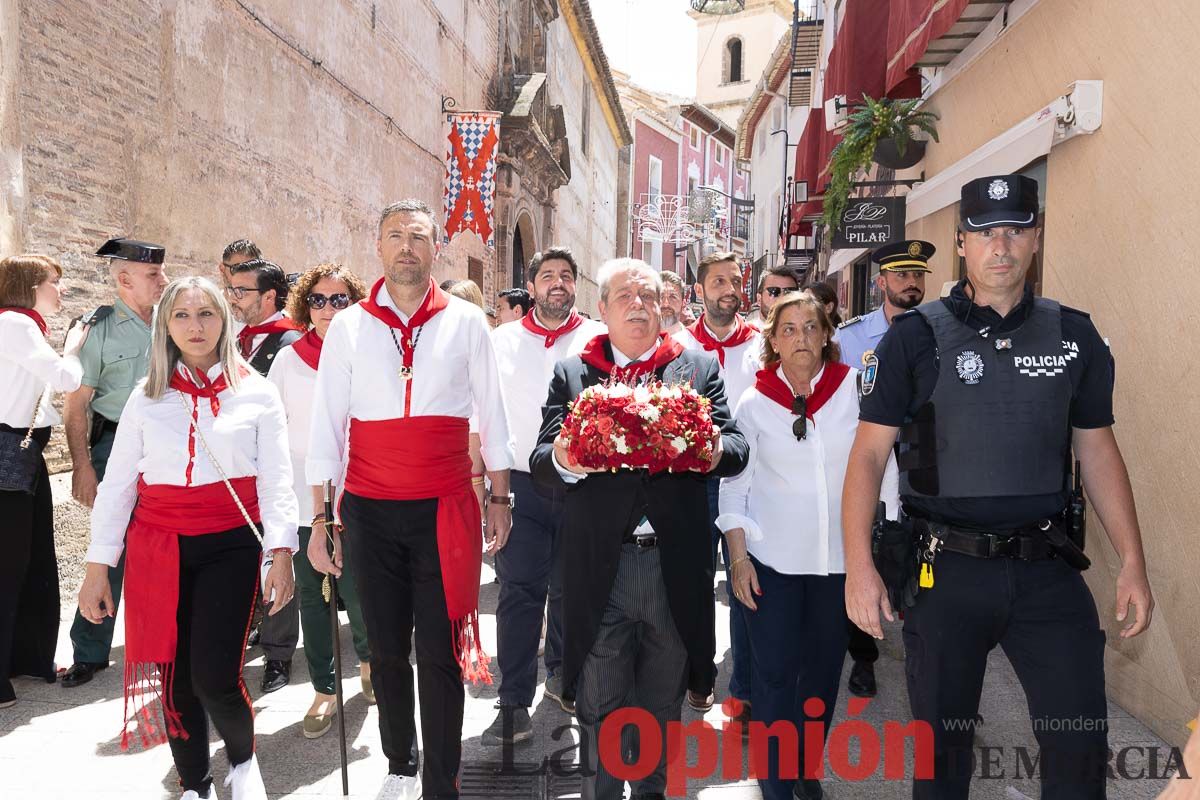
(1042, 615)
(529, 571)
(218, 582)
(28, 581)
(862, 645)
(392, 548)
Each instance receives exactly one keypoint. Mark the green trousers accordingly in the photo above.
(314, 617)
(91, 642)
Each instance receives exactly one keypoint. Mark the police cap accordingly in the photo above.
(911, 255)
(1010, 201)
(133, 250)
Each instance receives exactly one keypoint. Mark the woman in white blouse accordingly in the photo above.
(782, 519)
(201, 463)
(30, 371)
(318, 296)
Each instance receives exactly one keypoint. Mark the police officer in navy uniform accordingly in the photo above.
(115, 357)
(902, 269)
(991, 390)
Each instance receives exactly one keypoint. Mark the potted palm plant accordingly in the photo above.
(880, 131)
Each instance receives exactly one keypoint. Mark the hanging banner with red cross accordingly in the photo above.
(474, 138)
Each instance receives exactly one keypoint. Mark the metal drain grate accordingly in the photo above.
(516, 781)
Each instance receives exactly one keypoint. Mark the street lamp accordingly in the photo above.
(729, 197)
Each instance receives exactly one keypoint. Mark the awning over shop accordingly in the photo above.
(858, 61)
(810, 158)
(930, 33)
(1009, 152)
(841, 258)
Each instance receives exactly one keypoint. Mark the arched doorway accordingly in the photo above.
(524, 245)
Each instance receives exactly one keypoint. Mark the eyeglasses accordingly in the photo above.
(800, 409)
(318, 301)
(239, 292)
(776, 291)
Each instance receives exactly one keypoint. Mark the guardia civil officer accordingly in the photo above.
(114, 357)
(992, 389)
(901, 280)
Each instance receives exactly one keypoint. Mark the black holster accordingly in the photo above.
(99, 425)
(894, 551)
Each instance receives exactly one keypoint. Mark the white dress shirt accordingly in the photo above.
(297, 383)
(741, 366)
(789, 498)
(454, 372)
(248, 437)
(526, 367)
(28, 364)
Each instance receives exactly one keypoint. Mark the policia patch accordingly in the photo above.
(866, 378)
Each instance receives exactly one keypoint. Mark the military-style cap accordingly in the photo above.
(911, 255)
(999, 200)
(133, 250)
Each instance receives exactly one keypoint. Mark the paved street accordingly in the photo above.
(60, 743)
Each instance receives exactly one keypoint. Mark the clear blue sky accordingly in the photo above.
(653, 40)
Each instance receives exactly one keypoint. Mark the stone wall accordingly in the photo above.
(195, 123)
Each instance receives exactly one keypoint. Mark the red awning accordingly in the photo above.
(858, 61)
(912, 25)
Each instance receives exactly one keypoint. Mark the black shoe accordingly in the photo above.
(511, 725)
(700, 702)
(276, 676)
(554, 690)
(808, 788)
(647, 796)
(862, 679)
(252, 639)
(8, 697)
(81, 672)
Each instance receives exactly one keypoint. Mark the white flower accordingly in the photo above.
(649, 413)
(622, 448)
(641, 394)
(619, 390)
(679, 443)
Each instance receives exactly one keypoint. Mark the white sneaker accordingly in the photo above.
(400, 787)
(247, 781)
(190, 794)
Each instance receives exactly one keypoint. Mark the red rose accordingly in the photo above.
(604, 425)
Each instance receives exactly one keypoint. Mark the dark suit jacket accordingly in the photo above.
(603, 507)
(265, 355)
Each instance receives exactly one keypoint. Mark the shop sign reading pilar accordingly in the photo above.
(871, 222)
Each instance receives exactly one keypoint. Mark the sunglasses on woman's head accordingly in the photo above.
(800, 409)
(338, 301)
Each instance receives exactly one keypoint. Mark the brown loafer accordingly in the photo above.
(368, 690)
(317, 725)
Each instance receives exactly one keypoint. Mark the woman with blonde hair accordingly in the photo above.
(199, 489)
(319, 295)
(30, 371)
(782, 518)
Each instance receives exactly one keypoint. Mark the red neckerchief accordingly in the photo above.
(308, 347)
(593, 354)
(29, 312)
(742, 331)
(246, 335)
(209, 389)
(573, 321)
(769, 384)
(435, 301)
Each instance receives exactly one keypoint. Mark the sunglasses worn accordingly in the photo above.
(776, 291)
(338, 301)
(800, 409)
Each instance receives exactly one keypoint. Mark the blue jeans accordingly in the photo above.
(739, 641)
(798, 636)
(529, 572)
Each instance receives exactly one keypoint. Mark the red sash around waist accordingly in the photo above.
(163, 514)
(418, 458)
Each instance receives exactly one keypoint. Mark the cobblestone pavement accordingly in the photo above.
(64, 743)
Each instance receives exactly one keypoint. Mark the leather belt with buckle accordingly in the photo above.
(979, 544)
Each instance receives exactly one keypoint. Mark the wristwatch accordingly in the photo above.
(503, 500)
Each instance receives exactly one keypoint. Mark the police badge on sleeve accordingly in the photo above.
(970, 367)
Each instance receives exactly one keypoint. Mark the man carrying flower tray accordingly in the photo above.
(632, 428)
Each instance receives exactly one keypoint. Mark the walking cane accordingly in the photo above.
(330, 591)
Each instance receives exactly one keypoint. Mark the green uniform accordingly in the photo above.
(115, 356)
